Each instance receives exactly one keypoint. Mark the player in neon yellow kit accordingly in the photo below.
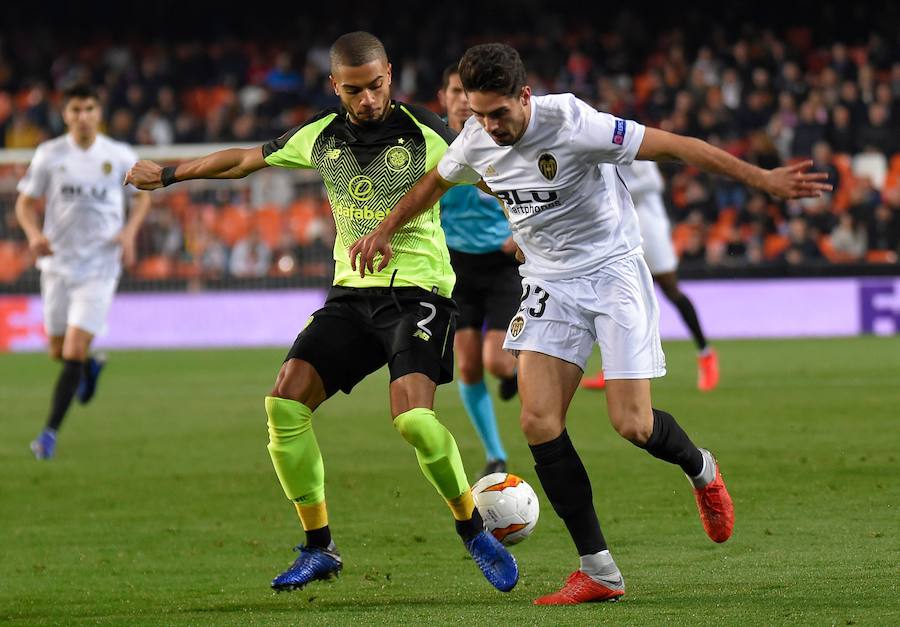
(370, 152)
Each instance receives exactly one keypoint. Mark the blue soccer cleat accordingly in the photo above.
(88, 384)
(44, 445)
(495, 562)
(312, 563)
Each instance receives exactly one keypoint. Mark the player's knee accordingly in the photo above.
(421, 428)
(298, 383)
(498, 365)
(470, 370)
(631, 425)
(285, 416)
(75, 353)
(539, 426)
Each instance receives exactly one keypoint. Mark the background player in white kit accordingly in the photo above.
(81, 246)
(646, 185)
(551, 159)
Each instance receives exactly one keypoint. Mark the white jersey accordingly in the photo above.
(646, 184)
(641, 178)
(569, 211)
(85, 203)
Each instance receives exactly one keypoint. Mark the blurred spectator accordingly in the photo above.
(818, 215)
(121, 126)
(272, 186)
(250, 256)
(848, 239)
(165, 233)
(882, 230)
(863, 200)
(756, 214)
(801, 247)
(849, 100)
(808, 131)
(877, 133)
(823, 161)
(21, 132)
(694, 252)
(841, 132)
(155, 129)
(211, 256)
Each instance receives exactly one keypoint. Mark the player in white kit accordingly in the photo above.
(553, 161)
(81, 246)
(646, 185)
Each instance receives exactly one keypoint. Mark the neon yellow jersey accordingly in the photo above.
(366, 171)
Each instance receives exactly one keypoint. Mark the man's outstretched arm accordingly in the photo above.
(423, 195)
(234, 163)
(786, 182)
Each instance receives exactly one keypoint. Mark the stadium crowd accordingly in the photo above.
(767, 95)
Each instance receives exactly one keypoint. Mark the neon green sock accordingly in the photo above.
(294, 451)
(436, 451)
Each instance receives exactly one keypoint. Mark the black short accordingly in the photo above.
(488, 289)
(361, 329)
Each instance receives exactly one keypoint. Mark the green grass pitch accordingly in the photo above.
(162, 507)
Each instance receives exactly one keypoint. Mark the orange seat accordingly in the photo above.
(881, 256)
(154, 268)
(196, 101)
(893, 175)
(13, 260)
(233, 224)
(720, 231)
(727, 216)
(774, 245)
(643, 85)
(300, 214)
(270, 224)
(841, 200)
(832, 255)
(680, 235)
(186, 270)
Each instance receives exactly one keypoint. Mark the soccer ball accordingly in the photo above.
(508, 506)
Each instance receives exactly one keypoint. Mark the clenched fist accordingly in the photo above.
(145, 175)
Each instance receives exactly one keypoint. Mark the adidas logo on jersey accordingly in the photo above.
(490, 171)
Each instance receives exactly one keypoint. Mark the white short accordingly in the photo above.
(616, 308)
(656, 233)
(83, 304)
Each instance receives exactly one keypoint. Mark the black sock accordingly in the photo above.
(670, 443)
(319, 538)
(68, 381)
(566, 483)
(689, 314)
(468, 529)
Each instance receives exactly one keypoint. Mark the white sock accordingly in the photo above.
(707, 473)
(601, 568)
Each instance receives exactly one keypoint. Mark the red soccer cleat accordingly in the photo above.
(579, 588)
(708, 371)
(716, 508)
(597, 382)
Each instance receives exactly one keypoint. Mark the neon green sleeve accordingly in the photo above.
(294, 148)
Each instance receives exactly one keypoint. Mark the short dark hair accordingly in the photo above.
(449, 71)
(79, 90)
(492, 67)
(355, 49)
